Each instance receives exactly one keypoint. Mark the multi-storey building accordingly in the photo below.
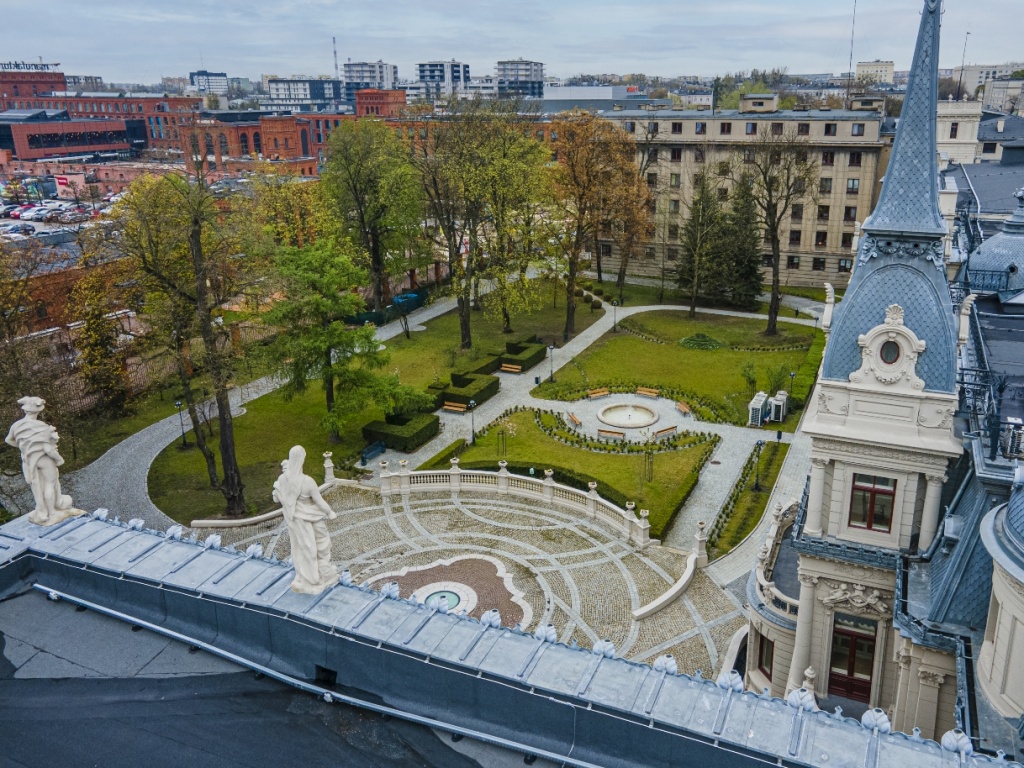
(957, 131)
(33, 134)
(442, 78)
(819, 240)
(876, 71)
(372, 101)
(22, 83)
(897, 582)
(209, 82)
(519, 76)
(360, 75)
(974, 76)
(304, 95)
(1005, 95)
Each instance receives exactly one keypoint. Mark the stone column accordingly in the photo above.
(549, 484)
(815, 500)
(930, 516)
(928, 700)
(701, 541)
(503, 476)
(385, 479)
(804, 624)
(403, 476)
(454, 478)
(328, 467)
(592, 498)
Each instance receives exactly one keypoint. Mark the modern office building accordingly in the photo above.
(304, 95)
(442, 78)
(519, 76)
(209, 82)
(359, 75)
(882, 72)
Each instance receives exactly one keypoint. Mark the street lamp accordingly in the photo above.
(792, 376)
(757, 466)
(615, 324)
(472, 423)
(551, 362)
(181, 420)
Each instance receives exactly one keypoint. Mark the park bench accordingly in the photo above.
(575, 419)
(666, 432)
(611, 433)
(593, 394)
(511, 368)
(372, 450)
(683, 408)
(648, 392)
(455, 407)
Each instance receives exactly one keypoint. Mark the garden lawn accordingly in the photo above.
(432, 354)
(713, 375)
(619, 476)
(807, 292)
(271, 425)
(649, 295)
(750, 504)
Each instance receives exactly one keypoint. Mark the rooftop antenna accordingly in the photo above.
(849, 71)
(337, 72)
(963, 58)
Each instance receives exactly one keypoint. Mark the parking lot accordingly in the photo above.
(52, 217)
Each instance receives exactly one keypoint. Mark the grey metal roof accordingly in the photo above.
(1004, 251)
(909, 202)
(1013, 129)
(900, 258)
(460, 671)
(988, 187)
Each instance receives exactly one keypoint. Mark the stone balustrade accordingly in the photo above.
(636, 529)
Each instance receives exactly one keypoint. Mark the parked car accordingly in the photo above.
(17, 229)
(6, 209)
(72, 217)
(36, 214)
(23, 208)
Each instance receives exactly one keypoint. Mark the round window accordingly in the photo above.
(890, 352)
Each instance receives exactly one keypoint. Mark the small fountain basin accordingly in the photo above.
(627, 416)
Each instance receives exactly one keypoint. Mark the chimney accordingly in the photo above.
(1000, 124)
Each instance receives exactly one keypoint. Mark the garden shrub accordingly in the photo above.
(525, 354)
(598, 291)
(700, 341)
(595, 304)
(442, 459)
(806, 375)
(403, 433)
(471, 386)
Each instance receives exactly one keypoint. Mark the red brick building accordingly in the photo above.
(35, 134)
(380, 103)
(23, 83)
(163, 115)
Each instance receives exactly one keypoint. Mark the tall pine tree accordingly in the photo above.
(701, 241)
(742, 253)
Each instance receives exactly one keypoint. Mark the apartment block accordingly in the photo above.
(820, 237)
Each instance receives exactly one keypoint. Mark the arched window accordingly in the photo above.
(257, 143)
(209, 143)
(223, 141)
(275, 142)
(243, 141)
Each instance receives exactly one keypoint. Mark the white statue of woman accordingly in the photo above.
(306, 514)
(37, 442)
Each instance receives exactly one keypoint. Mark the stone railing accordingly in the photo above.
(405, 482)
(773, 599)
(268, 521)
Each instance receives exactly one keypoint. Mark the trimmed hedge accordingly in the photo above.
(403, 433)
(563, 475)
(525, 354)
(807, 374)
(480, 387)
(442, 459)
(486, 364)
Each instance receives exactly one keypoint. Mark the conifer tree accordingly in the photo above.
(701, 241)
(742, 256)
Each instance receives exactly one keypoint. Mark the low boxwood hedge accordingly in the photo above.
(525, 354)
(403, 433)
(480, 387)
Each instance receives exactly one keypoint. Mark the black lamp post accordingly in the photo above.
(551, 362)
(792, 377)
(472, 423)
(181, 420)
(615, 324)
(757, 465)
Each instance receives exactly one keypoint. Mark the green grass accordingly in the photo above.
(179, 485)
(618, 475)
(750, 504)
(648, 295)
(815, 294)
(713, 376)
(433, 353)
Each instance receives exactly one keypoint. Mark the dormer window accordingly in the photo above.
(890, 352)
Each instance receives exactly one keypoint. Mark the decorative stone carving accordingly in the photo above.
(930, 677)
(920, 460)
(37, 442)
(306, 514)
(858, 600)
(825, 404)
(944, 413)
(806, 579)
(892, 339)
(964, 328)
(830, 303)
(933, 250)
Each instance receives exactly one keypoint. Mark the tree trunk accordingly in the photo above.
(570, 296)
(694, 286)
(376, 273)
(232, 485)
(329, 393)
(597, 259)
(776, 299)
(193, 416)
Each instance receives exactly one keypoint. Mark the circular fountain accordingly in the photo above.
(627, 416)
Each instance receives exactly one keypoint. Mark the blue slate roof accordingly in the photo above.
(1004, 251)
(900, 257)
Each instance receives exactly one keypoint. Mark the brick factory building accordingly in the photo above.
(373, 101)
(22, 83)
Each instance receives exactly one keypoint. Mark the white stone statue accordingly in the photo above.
(37, 442)
(306, 514)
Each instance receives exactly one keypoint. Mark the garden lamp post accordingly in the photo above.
(757, 465)
(472, 423)
(792, 377)
(615, 324)
(181, 420)
(551, 363)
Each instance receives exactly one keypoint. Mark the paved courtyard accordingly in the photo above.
(536, 563)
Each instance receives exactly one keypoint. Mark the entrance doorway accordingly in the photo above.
(852, 660)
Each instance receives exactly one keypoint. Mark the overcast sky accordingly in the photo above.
(142, 40)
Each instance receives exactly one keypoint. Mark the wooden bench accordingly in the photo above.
(511, 368)
(667, 431)
(593, 394)
(455, 407)
(611, 433)
(648, 392)
(575, 420)
(683, 408)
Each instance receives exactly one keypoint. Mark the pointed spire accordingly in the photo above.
(909, 203)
